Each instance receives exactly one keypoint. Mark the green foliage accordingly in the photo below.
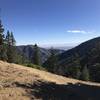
(85, 74)
(11, 49)
(13, 41)
(10, 40)
(73, 72)
(95, 72)
(7, 49)
(36, 55)
(51, 63)
(34, 66)
(1, 33)
(3, 55)
(11, 53)
(87, 53)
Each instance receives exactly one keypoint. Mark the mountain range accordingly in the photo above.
(71, 61)
(86, 54)
(27, 51)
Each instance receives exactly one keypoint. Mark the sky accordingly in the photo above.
(51, 22)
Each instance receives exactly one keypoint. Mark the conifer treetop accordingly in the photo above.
(1, 27)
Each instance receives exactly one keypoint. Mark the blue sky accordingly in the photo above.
(53, 22)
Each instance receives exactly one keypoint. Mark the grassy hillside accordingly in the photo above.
(22, 83)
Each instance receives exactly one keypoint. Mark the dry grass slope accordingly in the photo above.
(22, 83)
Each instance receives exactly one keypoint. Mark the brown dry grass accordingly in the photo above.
(16, 81)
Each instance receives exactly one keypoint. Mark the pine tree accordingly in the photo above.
(11, 50)
(1, 34)
(10, 40)
(13, 41)
(51, 63)
(85, 74)
(36, 55)
(3, 55)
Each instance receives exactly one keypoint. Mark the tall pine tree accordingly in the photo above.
(11, 49)
(3, 55)
(1, 34)
(36, 55)
(13, 41)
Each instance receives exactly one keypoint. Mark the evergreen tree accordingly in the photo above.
(85, 74)
(1, 34)
(51, 63)
(95, 72)
(73, 71)
(13, 41)
(36, 55)
(3, 55)
(11, 49)
(10, 40)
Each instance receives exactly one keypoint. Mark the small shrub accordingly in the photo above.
(34, 66)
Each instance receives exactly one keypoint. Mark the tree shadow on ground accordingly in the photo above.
(52, 91)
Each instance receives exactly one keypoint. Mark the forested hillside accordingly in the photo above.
(81, 62)
(28, 52)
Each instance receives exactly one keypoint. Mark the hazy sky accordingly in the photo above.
(51, 21)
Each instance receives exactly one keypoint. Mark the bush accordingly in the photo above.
(34, 66)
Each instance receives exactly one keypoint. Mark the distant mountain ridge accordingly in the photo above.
(28, 52)
(82, 49)
(62, 47)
